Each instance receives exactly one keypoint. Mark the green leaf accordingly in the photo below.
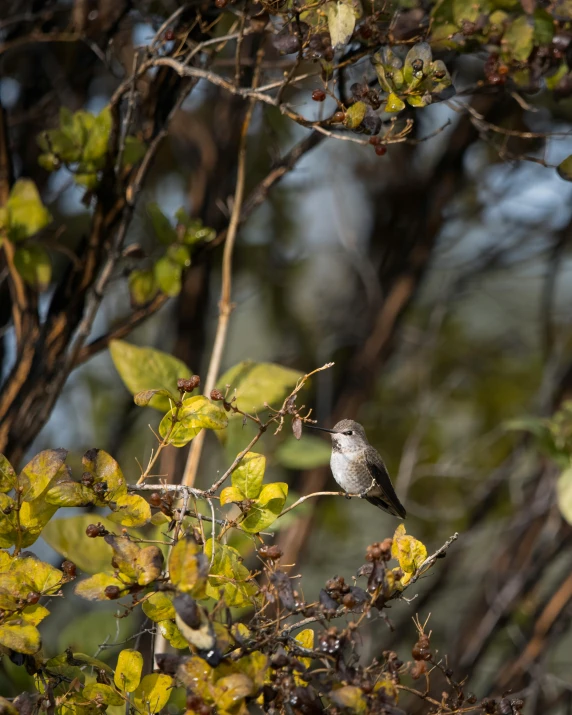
(93, 588)
(153, 693)
(417, 64)
(188, 565)
(159, 607)
(230, 495)
(258, 383)
(142, 287)
(267, 507)
(179, 255)
(341, 22)
(564, 169)
(468, 10)
(7, 475)
(564, 494)
(394, 103)
(195, 232)
(21, 638)
(26, 215)
(128, 671)
(70, 493)
(197, 413)
(410, 552)
(168, 276)
(164, 231)
(33, 263)
(355, 115)
(133, 152)
(103, 693)
(148, 369)
(307, 453)
(170, 631)
(229, 576)
(518, 40)
(39, 472)
(67, 537)
(249, 474)
(543, 27)
(142, 399)
(130, 510)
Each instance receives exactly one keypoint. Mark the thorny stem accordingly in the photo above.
(225, 305)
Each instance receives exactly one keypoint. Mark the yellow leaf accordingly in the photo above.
(21, 638)
(130, 510)
(153, 693)
(188, 566)
(230, 495)
(129, 668)
(159, 607)
(409, 552)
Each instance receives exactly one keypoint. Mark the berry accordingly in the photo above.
(216, 395)
(374, 141)
(381, 150)
(220, 4)
(33, 597)
(112, 592)
(169, 35)
(338, 117)
(188, 385)
(270, 553)
(155, 499)
(318, 95)
(92, 531)
(69, 569)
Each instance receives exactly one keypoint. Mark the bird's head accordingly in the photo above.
(347, 435)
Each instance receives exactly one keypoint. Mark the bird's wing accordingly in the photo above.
(383, 494)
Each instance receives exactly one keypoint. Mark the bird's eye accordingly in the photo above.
(349, 433)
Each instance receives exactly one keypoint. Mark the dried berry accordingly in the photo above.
(92, 531)
(374, 141)
(270, 553)
(169, 35)
(381, 150)
(318, 95)
(100, 488)
(69, 569)
(216, 395)
(189, 385)
(112, 592)
(338, 117)
(422, 649)
(33, 597)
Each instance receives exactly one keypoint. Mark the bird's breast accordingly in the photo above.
(349, 471)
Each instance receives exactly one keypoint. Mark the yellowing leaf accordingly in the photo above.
(93, 588)
(67, 537)
(257, 383)
(32, 615)
(394, 103)
(249, 474)
(229, 576)
(306, 640)
(38, 473)
(518, 39)
(355, 115)
(231, 689)
(341, 22)
(102, 693)
(410, 552)
(350, 697)
(131, 510)
(128, 671)
(188, 565)
(105, 470)
(7, 475)
(159, 607)
(148, 369)
(230, 495)
(153, 693)
(21, 638)
(70, 493)
(197, 413)
(267, 507)
(171, 633)
(36, 575)
(26, 215)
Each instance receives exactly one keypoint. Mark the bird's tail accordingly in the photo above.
(395, 508)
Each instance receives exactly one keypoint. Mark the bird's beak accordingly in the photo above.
(322, 429)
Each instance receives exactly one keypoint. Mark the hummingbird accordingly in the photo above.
(358, 468)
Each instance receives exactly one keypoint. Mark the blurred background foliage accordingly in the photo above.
(437, 277)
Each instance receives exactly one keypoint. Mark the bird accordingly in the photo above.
(358, 468)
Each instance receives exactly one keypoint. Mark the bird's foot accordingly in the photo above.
(363, 495)
(348, 496)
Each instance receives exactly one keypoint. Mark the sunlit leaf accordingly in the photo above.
(38, 473)
(230, 690)
(170, 631)
(159, 607)
(152, 693)
(7, 475)
(103, 693)
(308, 453)
(25, 213)
(32, 615)
(93, 588)
(188, 565)
(394, 103)
(229, 576)
(197, 413)
(148, 369)
(105, 470)
(21, 638)
(70, 493)
(266, 508)
(355, 115)
(258, 383)
(128, 671)
(249, 474)
(231, 495)
(410, 552)
(341, 22)
(130, 510)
